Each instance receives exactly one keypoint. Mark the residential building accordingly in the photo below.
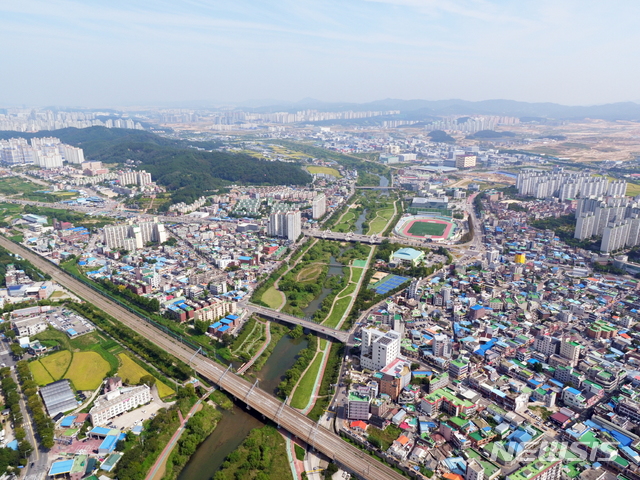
(319, 206)
(379, 348)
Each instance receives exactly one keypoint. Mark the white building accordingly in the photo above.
(379, 348)
(114, 403)
(571, 351)
(28, 327)
(133, 237)
(319, 206)
(475, 471)
(287, 225)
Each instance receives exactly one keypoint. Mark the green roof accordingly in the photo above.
(531, 470)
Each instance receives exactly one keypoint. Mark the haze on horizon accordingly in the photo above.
(143, 52)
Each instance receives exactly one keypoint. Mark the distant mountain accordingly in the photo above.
(186, 171)
(439, 108)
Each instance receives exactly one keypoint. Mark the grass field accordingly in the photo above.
(309, 273)
(57, 364)
(348, 219)
(272, 297)
(87, 370)
(325, 170)
(304, 390)
(356, 273)
(422, 229)
(133, 372)
(17, 186)
(40, 374)
(378, 224)
(338, 311)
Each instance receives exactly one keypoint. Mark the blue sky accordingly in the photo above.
(111, 53)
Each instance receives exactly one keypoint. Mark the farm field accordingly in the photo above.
(326, 170)
(40, 374)
(132, 372)
(57, 364)
(87, 370)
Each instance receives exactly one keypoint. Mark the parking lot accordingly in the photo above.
(69, 322)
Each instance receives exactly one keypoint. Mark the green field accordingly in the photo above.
(338, 311)
(304, 390)
(272, 297)
(87, 370)
(131, 372)
(17, 186)
(326, 170)
(378, 224)
(423, 228)
(346, 223)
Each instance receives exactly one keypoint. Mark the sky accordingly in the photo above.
(113, 53)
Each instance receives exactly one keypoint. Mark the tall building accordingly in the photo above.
(441, 346)
(286, 225)
(133, 237)
(492, 256)
(546, 344)
(319, 206)
(378, 348)
(466, 160)
(475, 471)
(571, 351)
(615, 236)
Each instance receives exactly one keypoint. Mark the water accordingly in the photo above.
(235, 424)
(360, 221)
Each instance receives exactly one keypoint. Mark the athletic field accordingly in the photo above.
(424, 227)
(431, 228)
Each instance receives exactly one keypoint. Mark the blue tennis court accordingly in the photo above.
(388, 283)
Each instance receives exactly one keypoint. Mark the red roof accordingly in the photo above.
(359, 424)
(559, 417)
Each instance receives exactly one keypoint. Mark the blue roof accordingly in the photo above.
(573, 391)
(100, 431)
(61, 467)
(109, 443)
(13, 445)
(224, 328)
(67, 421)
(71, 331)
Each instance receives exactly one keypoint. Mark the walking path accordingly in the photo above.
(248, 365)
(172, 443)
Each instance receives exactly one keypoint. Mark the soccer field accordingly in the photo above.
(424, 229)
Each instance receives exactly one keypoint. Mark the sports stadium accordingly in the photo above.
(423, 227)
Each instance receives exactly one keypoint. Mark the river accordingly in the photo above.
(235, 424)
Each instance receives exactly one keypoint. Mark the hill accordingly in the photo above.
(175, 164)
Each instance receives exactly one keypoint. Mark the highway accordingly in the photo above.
(327, 442)
(283, 317)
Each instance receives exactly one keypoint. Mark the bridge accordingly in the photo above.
(338, 335)
(344, 237)
(316, 436)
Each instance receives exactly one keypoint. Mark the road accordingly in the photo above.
(318, 437)
(283, 317)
